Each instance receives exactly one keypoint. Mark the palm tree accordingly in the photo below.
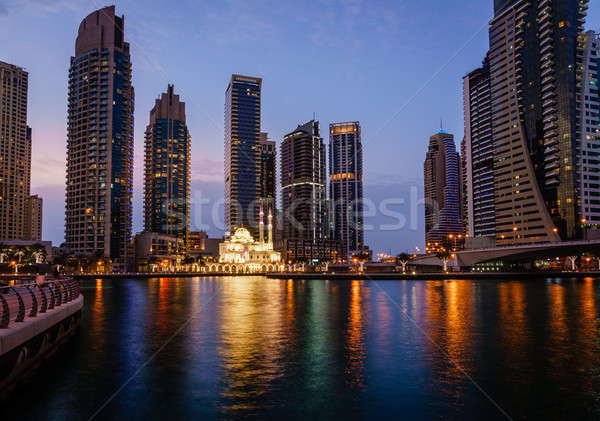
(38, 253)
(403, 259)
(444, 256)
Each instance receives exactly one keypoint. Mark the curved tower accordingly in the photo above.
(100, 139)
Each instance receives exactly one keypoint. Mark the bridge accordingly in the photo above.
(520, 253)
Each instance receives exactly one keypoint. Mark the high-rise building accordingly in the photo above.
(589, 124)
(477, 154)
(442, 191)
(303, 184)
(167, 168)
(242, 154)
(346, 185)
(268, 151)
(33, 218)
(15, 151)
(100, 139)
(535, 57)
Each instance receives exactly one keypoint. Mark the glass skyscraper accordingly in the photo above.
(303, 184)
(167, 168)
(535, 67)
(346, 185)
(442, 191)
(100, 139)
(242, 154)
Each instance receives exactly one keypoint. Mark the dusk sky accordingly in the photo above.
(395, 66)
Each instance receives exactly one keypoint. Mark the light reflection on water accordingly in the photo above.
(253, 347)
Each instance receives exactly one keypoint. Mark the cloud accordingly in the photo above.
(3, 9)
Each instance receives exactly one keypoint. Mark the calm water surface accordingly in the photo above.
(250, 347)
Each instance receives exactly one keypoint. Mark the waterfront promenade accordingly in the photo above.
(352, 275)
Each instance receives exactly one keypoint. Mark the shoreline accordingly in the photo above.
(357, 276)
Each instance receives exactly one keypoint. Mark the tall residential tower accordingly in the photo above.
(478, 154)
(167, 168)
(535, 57)
(442, 191)
(589, 136)
(15, 151)
(303, 184)
(100, 139)
(242, 154)
(346, 185)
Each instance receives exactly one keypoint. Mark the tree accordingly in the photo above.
(403, 259)
(444, 256)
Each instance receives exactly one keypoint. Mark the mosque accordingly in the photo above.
(242, 254)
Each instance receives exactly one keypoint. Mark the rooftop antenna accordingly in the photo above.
(441, 125)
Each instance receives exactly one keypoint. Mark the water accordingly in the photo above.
(250, 347)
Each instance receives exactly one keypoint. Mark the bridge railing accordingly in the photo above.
(21, 302)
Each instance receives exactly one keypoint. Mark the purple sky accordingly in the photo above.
(396, 66)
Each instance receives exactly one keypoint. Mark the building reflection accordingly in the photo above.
(272, 331)
(355, 338)
(449, 326)
(252, 338)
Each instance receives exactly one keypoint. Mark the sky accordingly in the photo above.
(395, 66)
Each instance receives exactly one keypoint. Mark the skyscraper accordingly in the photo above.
(478, 154)
(589, 123)
(242, 154)
(15, 151)
(303, 183)
(167, 168)
(346, 185)
(100, 139)
(33, 218)
(535, 55)
(268, 153)
(442, 191)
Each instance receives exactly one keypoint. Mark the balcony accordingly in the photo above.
(548, 95)
(551, 166)
(550, 158)
(547, 33)
(551, 125)
(548, 103)
(549, 110)
(548, 70)
(551, 133)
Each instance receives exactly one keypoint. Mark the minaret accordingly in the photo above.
(270, 228)
(261, 226)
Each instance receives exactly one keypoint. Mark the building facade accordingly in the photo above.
(242, 153)
(158, 252)
(268, 152)
(346, 185)
(100, 139)
(33, 218)
(15, 152)
(303, 184)
(442, 192)
(589, 146)
(167, 168)
(535, 54)
(478, 154)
